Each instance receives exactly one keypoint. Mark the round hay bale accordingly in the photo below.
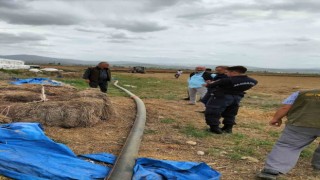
(21, 96)
(82, 109)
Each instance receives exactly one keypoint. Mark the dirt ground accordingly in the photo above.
(165, 135)
(168, 143)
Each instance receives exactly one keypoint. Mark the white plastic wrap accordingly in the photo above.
(12, 64)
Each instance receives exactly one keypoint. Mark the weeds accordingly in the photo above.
(274, 134)
(191, 130)
(252, 125)
(240, 151)
(167, 121)
(261, 143)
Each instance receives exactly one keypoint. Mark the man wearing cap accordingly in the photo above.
(98, 76)
(302, 110)
(195, 83)
(225, 97)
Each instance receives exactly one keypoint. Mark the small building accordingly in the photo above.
(12, 64)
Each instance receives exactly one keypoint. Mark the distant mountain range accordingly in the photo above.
(40, 60)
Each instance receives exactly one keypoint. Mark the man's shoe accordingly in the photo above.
(268, 174)
(215, 129)
(227, 128)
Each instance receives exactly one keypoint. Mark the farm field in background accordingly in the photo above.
(171, 123)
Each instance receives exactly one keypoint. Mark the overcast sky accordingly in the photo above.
(261, 33)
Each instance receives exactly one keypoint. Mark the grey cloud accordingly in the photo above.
(195, 15)
(154, 5)
(6, 38)
(12, 4)
(37, 18)
(119, 41)
(309, 6)
(121, 37)
(302, 39)
(136, 26)
(89, 30)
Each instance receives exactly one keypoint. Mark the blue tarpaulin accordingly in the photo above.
(27, 153)
(44, 81)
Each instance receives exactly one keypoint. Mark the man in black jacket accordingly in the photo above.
(98, 76)
(220, 72)
(225, 97)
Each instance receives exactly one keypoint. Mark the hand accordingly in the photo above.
(275, 122)
(204, 85)
(87, 81)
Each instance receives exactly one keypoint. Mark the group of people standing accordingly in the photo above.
(221, 92)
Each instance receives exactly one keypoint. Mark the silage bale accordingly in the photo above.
(81, 109)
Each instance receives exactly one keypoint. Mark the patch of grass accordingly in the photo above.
(252, 125)
(213, 151)
(11, 71)
(262, 103)
(237, 138)
(261, 143)
(81, 85)
(308, 151)
(115, 92)
(240, 151)
(167, 121)
(274, 134)
(191, 130)
(77, 83)
(149, 87)
(235, 156)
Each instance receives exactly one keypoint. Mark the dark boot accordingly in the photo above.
(268, 174)
(227, 128)
(215, 129)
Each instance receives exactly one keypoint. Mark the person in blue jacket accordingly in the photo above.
(195, 83)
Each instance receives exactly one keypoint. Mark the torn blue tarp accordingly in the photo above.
(43, 81)
(27, 153)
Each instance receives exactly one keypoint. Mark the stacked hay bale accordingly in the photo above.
(66, 107)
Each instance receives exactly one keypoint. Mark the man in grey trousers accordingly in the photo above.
(302, 128)
(195, 83)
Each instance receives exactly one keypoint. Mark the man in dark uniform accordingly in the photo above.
(98, 76)
(220, 72)
(225, 98)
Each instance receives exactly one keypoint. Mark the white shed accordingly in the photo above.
(12, 64)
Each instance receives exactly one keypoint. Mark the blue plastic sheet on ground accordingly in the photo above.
(101, 157)
(44, 81)
(151, 169)
(27, 153)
